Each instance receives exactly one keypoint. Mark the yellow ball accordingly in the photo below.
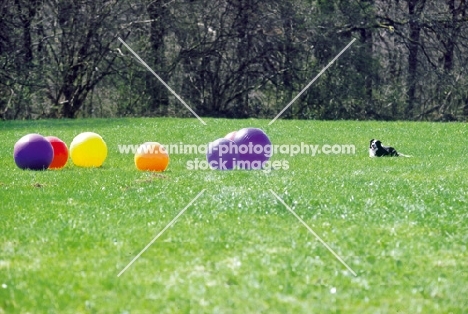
(88, 149)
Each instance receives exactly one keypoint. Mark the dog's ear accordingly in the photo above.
(378, 143)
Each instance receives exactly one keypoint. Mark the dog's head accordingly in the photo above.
(375, 144)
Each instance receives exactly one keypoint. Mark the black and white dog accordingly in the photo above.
(377, 150)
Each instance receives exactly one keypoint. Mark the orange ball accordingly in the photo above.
(151, 156)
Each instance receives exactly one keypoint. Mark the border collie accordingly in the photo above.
(377, 150)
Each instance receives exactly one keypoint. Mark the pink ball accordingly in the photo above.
(33, 152)
(231, 135)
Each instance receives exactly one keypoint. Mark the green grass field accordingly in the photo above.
(400, 223)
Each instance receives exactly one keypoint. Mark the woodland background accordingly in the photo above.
(234, 58)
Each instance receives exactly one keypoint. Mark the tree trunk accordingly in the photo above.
(415, 8)
(243, 52)
(158, 14)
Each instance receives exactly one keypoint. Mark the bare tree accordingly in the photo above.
(235, 58)
(79, 49)
(160, 22)
(16, 56)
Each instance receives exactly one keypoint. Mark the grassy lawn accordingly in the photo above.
(400, 223)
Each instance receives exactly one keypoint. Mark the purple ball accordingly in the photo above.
(222, 154)
(33, 151)
(254, 148)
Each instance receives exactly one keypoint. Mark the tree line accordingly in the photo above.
(234, 58)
